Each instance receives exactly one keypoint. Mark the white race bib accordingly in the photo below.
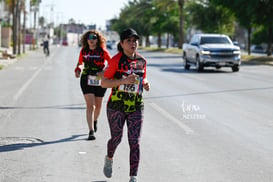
(132, 88)
(93, 80)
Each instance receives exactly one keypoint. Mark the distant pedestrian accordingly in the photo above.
(46, 45)
(93, 55)
(126, 75)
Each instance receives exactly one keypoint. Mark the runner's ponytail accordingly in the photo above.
(120, 49)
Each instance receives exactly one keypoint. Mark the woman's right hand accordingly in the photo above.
(77, 72)
(131, 79)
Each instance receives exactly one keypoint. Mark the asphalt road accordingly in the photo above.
(213, 126)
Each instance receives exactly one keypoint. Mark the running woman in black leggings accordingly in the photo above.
(126, 75)
(93, 55)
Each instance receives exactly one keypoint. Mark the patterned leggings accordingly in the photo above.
(116, 121)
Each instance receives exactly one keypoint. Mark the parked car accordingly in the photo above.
(211, 50)
(64, 43)
(257, 49)
(109, 44)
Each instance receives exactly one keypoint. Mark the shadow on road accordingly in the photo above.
(179, 68)
(208, 92)
(163, 57)
(8, 144)
(71, 106)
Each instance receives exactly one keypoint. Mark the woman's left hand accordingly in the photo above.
(146, 85)
(100, 74)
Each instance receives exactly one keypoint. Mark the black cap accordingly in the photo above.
(127, 33)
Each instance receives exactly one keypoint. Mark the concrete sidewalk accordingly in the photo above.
(7, 58)
(5, 62)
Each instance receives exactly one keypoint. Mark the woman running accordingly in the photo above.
(126, 75)
(93, 55)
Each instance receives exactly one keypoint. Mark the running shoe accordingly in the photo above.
(133, 179)
(107, 170)
(91, 135)
(95, 125)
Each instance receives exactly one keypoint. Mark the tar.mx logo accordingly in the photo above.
(191, 111)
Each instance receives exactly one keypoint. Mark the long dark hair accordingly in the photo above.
(120, 49)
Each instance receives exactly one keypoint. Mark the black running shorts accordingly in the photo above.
(98, 91)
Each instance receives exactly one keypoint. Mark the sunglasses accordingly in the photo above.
(92, 37)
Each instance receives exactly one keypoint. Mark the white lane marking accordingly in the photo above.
(19, 68)
(82, 153)
(33, 68)
(179, 123)
(24, 87)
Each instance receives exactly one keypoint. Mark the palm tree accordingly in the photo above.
(15, 7)
(181, 3)
(21, 9)
(8, 3)
(42, 21)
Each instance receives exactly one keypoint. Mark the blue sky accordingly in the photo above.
(82, 11)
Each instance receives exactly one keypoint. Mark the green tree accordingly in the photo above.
(210, 18)
(264, 11)
(243, 15)
(127, 18)
(167, 16)
(42, 21)
(164, 4)
(8, 3)
(154, 17)
(157, 25)
(15, 8)
(34, 5)
(15, 12)
(259, 35)
(254, 14)
(71, 21)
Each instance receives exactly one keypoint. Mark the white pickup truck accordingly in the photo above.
(211, 50)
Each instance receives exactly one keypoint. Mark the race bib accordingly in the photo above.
(93, 80)
(132, 88)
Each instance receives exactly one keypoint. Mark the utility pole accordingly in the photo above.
(14, 28)
(34, 6)
(60, 24)
(18, 9)
(34, 26)
(24, 30)
(49, 14)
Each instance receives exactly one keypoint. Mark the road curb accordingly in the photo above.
(5, 62)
